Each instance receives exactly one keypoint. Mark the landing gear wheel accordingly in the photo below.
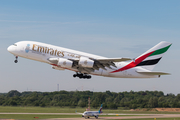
(16, 61)
(89, 77)
(81, 76)
(85, 76)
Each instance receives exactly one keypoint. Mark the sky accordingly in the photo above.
(109, 28)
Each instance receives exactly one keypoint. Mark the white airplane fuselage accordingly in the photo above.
(43, 52)
(91, 113)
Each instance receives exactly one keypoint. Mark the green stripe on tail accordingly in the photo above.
(160, 51)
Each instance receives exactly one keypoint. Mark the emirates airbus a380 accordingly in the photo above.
(85, 64)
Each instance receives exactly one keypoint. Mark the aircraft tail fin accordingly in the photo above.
(100, 109)
(150, 58)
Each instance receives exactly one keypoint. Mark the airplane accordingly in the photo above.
(85, 64)
(96, 114)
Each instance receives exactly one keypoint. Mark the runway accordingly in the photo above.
(118, 116)
(129, 116)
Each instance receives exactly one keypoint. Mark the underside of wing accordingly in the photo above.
(153, 73)
(107, 62)
(87, 65)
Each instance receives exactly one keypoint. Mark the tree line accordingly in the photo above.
(110, 100)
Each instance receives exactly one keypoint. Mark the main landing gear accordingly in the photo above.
(80, 75)
(16, 61)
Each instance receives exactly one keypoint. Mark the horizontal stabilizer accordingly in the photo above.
(153, 73)
(113, 59)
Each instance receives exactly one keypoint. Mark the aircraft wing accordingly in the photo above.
(106, 60)
(98, 63)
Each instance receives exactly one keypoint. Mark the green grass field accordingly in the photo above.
(25, 116)
(29, 117)
(7, 109)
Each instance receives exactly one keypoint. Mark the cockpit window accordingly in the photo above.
(15, 44)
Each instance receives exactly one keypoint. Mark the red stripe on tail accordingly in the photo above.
(133, 63)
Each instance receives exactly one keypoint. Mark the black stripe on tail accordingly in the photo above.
(149, 62)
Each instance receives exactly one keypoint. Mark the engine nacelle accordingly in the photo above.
(86, 62)
(65, 63)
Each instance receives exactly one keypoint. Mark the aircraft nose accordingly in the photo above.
(10, 49)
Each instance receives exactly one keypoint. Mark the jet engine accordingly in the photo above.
(86, 62)
(65, 63)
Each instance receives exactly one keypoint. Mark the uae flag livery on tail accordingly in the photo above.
(156, 55)
(149, 59)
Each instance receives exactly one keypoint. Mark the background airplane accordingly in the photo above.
(88, 114)
(85, 64)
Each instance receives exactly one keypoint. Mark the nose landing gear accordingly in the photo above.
(16, 61)
(80, 75)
